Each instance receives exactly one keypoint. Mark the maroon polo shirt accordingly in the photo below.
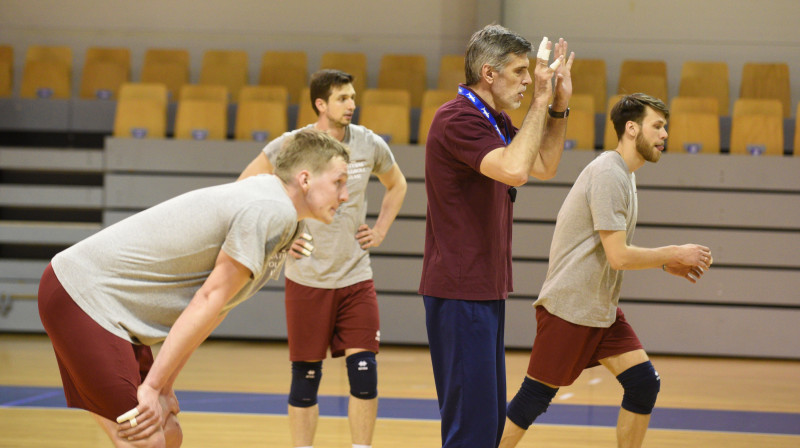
(469, 217)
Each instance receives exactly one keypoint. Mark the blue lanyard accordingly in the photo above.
(479, 105)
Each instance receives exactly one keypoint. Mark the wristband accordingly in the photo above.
(554, 114)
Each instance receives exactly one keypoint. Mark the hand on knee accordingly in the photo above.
(641, 384)
(362, 371)
(173, 434)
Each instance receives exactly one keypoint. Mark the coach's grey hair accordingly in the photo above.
(492, 45)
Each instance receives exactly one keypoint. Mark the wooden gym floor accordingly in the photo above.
(233, 394)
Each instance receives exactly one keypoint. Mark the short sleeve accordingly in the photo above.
(273, 147)
(607, 194)
(473, 137)
(258, 231)
(384, 159)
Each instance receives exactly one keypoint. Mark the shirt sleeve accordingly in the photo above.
(272, 148)
(384, 159)
(608, 197)
(470, 137)
(257, 232)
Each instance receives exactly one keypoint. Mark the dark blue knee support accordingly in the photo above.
(305, 383)
(362, 370)
(531, 401)
(641, 383)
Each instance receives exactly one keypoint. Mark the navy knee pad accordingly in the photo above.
(641, 383)
(531, 401)
(305, 383)
(362, 370)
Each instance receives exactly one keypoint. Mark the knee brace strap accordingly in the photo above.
(641, 383)
(305, 383)
(362, 370)
(531, 401)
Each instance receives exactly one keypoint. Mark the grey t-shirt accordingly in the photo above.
(581, 287)
(137, 276)
(338, 260)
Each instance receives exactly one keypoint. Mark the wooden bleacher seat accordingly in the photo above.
(141, 111)
(404, 71)
(693, 131)
(796, 147)
(395, 104)
(265, 93)
(261, 113)
(694, 104)
(610, 139)
(580, 127)
(261, 121)
(653, 85)
(6, 70)
(451, 72)
(47, 73)
(167, 66)
(748, 106)
(431, 101)
(390, 121)
(765, 80)
(104, 72)
(202, 113)
(589, 77)
(387, 96)
(704, 79)
(305, 111)
(225, 68)
(285, 68)
(354, 63)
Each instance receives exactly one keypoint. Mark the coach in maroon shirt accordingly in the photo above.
(473, 160)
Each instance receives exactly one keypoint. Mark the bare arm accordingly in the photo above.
(395, 183)
(259, 165)
(536, 149)
(190, 329)
(689, 260)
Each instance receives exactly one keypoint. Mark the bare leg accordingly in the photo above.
(512, 434)
(631, 427)
(110, 428)
(362, 415)
(303, 424)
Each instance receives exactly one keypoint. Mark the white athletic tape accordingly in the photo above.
(308, 246)
(128, 415)
(133, 422)
(555, 63)
(306, 236)
(305, 252)
(543, 53)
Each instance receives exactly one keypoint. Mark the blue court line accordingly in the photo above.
(421, 409)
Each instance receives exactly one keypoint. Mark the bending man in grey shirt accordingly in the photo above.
(171, 273)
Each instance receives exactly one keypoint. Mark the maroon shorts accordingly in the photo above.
(562, 350)
(340, 318)
(100, 371)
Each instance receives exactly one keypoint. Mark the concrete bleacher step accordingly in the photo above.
(45, 233)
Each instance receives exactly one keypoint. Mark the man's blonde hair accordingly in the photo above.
(308, 149)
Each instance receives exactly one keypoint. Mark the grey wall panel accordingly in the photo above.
(261, 316)
(22, 270)
(22, 316)
(61, 196)
(140, 191)
(20, 114)
(716, 331)
(45, 159)
(179, 156)
(22, 232)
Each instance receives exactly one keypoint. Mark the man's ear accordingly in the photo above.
(321, 105)
(488, 73)
(631, 128)
(303, 178)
